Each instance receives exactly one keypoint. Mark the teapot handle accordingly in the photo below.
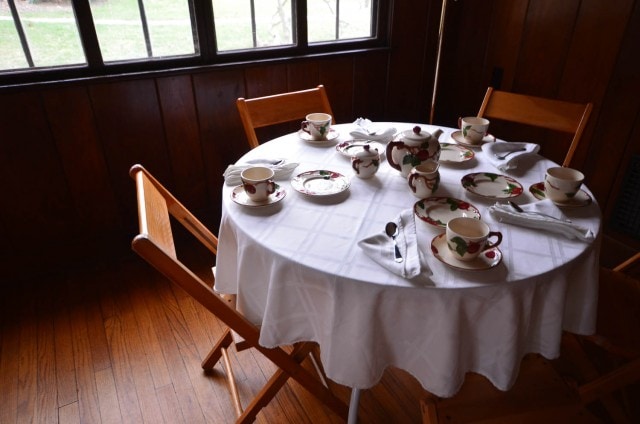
(390, 147)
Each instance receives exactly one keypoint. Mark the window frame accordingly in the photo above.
(206, 54)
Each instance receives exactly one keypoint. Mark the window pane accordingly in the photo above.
(234, 24)
(119, 28)
(339, 19)
(169, 27)
(51, 33)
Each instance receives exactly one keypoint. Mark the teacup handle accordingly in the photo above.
(490, 245)
(271, 188)
(303, 126)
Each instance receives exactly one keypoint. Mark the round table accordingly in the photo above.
(299, 273)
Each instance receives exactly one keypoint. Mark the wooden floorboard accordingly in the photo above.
(117, 343)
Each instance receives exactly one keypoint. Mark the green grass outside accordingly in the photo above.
(55, 41)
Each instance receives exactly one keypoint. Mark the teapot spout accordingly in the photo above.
(436, 134)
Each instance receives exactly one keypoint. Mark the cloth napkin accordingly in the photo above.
(366, 128)
(379, 247)
(281, 168)
(502, 147)
(542, 215)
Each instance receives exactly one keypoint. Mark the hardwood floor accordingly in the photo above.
(116, 343)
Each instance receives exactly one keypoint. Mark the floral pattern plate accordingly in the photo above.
(437, 211)
(320, 183)
(333, 134)
(494, 186)
(486, 260)
(239, 196)
(458, 138)
(352, 147)
(582, 198)
(455, 153)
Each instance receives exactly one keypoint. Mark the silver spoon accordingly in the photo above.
(504, 155)
(392, 231)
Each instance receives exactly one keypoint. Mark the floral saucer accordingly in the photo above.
(494, 186)
(320, 183)
(486, 260)
(458, 138)
(455, 153)
(333, 134)
(352, 147)
(239, 196)
(582, 198)
(437, 211)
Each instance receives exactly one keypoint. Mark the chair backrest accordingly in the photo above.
(556, 115)
(279, 108)
(155, 243)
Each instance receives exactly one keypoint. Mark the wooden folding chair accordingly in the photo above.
(561, 391)
(556, 115)
(279, 108)
(155, 243)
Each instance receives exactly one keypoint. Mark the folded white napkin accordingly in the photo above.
(542, 215)
(367, 130)
(502, 147)
(379, 247)
(281, 168)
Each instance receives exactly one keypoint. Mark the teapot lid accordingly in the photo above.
(416, 133)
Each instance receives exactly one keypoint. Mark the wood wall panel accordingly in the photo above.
(37, 210)
(180, 120)
(129, 122)
(368, 71)
(340, 90)
(76, 139)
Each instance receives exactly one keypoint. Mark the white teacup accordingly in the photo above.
(258, 183)
(468, 237)
(474, 129)
(317, 125)
(561, 184)
(424, 178)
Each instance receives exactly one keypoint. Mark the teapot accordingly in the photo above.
(414, 147)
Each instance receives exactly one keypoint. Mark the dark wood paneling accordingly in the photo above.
(180, 120)
(72, 126)
(128, 119)
(37, 210)
(368, 92)
(339, 89)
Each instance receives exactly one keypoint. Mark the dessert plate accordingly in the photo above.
(352, 147)
(582, 198)
(239, 196)
(455, 153)
(494, 186)
(320, 183)
(486, 260)
(437, 211)
(458, 138)
(333, 134)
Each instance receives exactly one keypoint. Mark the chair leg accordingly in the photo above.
(429, 411)
(214, 356)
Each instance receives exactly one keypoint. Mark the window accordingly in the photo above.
(85, 37)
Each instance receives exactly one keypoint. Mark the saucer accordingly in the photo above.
(490, 185)
(486, 260)
(320, 183)
(437, 211)
(458, 138)
(239, 196)
(582, 198)
(333, 134)
(455, 153)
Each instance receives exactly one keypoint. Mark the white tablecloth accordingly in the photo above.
(298, 272)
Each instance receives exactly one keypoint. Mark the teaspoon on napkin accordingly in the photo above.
(392, 231)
